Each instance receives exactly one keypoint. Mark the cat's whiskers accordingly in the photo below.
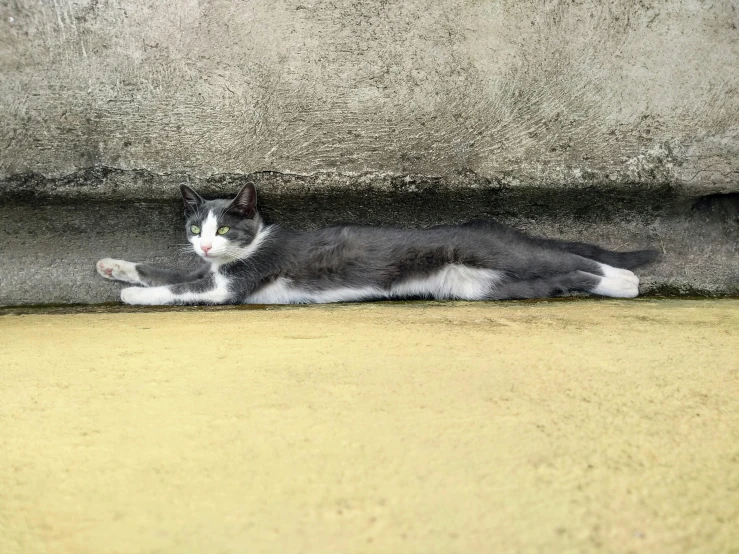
(187, 249)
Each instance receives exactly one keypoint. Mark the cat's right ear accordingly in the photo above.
(191, 198)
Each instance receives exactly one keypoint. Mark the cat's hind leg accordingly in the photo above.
(629, 260)
(559, 269)
(145, 274)
(614, 285)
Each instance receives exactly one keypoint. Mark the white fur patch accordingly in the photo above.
(451, 282)
(618, 273)
(281, 291)
(208, 237)
(147, 296)
(617, 283)
(119, 270)
(616, 288)
(209, 227)
(162, 296)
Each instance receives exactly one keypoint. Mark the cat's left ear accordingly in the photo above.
(245, 203)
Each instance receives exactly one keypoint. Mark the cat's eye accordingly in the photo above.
(195, 230)
(223, 230)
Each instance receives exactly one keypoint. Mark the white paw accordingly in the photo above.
(142, 296)
(617, 287)
(618, 273)
(118, 270)
(130, 295)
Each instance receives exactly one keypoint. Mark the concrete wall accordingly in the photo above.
(544, 90)
(617, 100)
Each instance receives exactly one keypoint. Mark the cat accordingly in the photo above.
(250, 261)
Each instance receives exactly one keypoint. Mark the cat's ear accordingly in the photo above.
(191, 198)
(245, 203)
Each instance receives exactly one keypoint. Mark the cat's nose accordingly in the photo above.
(206, 248)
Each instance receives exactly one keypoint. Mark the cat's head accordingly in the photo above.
(220, 231)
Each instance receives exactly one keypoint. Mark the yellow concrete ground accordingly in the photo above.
(577, 426)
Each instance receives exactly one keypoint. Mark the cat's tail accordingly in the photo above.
(624, 260)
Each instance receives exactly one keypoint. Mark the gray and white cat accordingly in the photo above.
(252, 262)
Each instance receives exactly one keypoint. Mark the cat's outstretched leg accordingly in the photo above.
(557, 270)
(211, 289)
(118, 270)
(630, 260)
(619, 283)
(145, 274)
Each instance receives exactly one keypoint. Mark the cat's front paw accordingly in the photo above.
(118, 270)
(142, 296)
(131, 295)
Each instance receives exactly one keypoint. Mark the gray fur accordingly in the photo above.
(379, 258)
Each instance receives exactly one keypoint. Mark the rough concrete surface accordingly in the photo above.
(586, 426)
(52, 245)
(550, 115)
(554, 92)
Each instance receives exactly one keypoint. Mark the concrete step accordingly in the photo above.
(55, 229)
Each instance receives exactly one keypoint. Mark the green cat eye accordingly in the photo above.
(223, 230)
(195, 230)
